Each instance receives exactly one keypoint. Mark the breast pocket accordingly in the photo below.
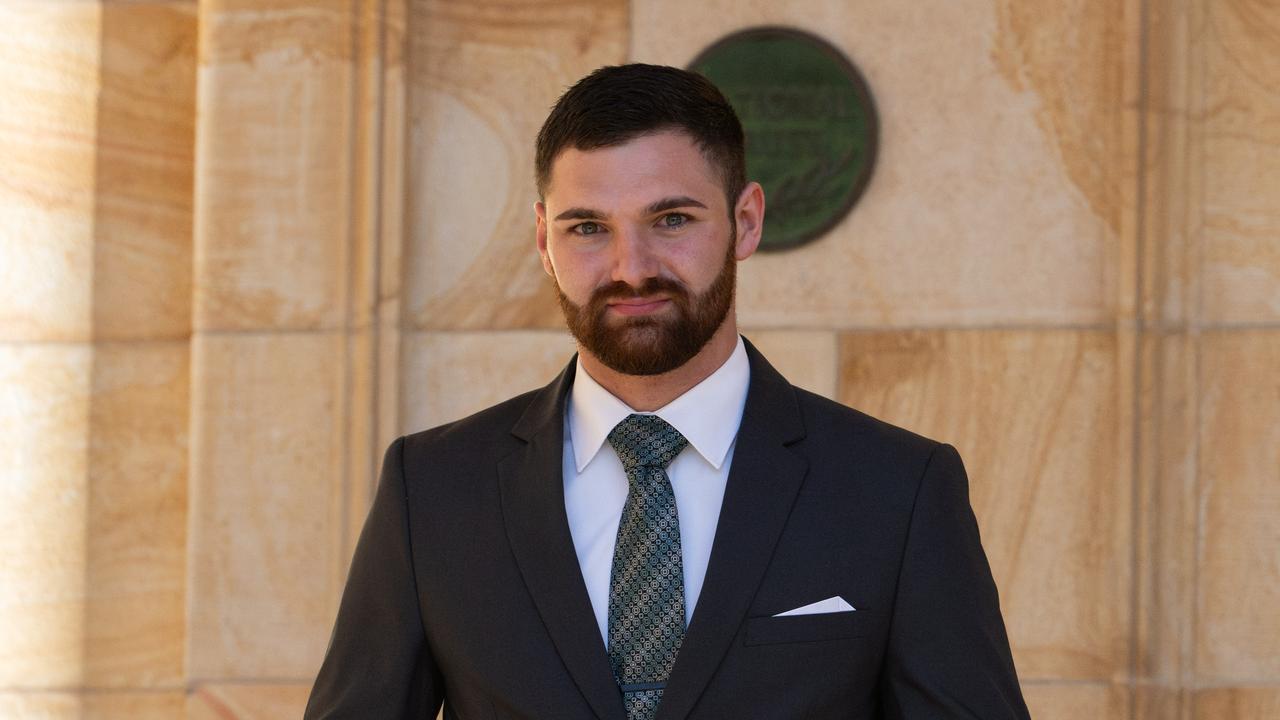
(818, 627)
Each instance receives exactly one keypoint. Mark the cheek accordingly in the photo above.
(574, 272)
(700, 265)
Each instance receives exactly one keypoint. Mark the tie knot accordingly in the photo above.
(646, 441)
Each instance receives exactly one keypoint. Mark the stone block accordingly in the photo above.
(1241, 164)
(807, 358)
(266, 553)
(1237, 703)
(44, 453)
(447, 376)
(1237, 628)
(145, 171)
(273, 192)
(1096, 701)
(31, 705)
(257, 701)
(49, 82)
(162, 705)
(137, 516)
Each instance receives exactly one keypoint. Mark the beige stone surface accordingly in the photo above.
(994, 198)
(258, 701)
(1161, 702)
(114, 705)
(1095, 701)
(272, 206)
(449, 375)
(48, 111)
(135, 564)
(808, 358)
(1237, 703)
(1237, 628)
(117, 705)
(44, 413)
(265, 560)
(30, 705)
(1241, 146)
(144, 171)
(1033, 415)
(484, 75)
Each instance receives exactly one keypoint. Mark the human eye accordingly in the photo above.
(586, 228)
(673, 220)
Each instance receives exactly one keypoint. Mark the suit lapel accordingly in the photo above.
(532, 486)
(763, 481)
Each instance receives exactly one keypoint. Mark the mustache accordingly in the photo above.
(620, 290)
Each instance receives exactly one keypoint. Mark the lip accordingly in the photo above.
(637, 306)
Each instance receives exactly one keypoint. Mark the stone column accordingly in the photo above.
(96, 127)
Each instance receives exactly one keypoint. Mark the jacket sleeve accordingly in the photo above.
(948, 655)
(378, 664)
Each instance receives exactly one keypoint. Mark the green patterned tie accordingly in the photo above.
(646, 590)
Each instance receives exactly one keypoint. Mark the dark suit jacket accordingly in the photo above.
(465, 587)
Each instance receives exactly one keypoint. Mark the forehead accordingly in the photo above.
(640, 170)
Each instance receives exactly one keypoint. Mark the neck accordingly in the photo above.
(647, 393)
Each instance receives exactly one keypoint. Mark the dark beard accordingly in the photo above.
(651, 345)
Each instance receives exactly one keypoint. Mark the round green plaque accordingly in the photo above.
(811, 126)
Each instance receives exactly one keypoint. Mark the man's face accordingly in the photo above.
(640, 244)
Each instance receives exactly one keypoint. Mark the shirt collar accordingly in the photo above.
(707, 414)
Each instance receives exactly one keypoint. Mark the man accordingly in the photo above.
(669, 529)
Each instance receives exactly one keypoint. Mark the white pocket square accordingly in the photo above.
(830, 605)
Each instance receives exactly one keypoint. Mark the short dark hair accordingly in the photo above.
(618, 103)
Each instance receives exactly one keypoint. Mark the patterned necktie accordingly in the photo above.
(646, 589)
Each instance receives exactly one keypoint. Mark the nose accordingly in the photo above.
(633, 258)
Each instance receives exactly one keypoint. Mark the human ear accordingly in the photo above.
(540, 211)
(749, 215)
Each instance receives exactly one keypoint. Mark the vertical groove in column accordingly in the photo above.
(389, 267)
(366, 237)
(1134, 331)
(1171, 205)
(1198, 38)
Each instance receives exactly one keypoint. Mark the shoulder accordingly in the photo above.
(836, 440)
(827, 418)
(451, 470)
(844, 444)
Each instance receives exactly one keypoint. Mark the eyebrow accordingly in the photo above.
(580, 213)
(671, 203)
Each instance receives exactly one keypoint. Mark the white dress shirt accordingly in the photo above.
(595, 485)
